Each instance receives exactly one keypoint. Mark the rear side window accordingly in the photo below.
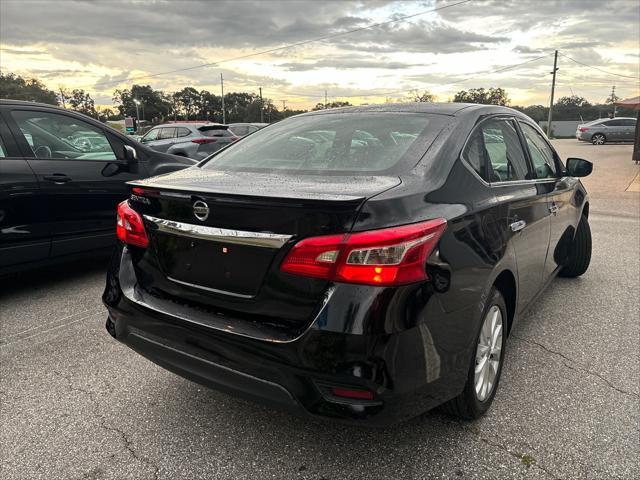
(494, 151)
(166, 133)
(183, 132)
(541, 154)
(332, 143)
(3, 151)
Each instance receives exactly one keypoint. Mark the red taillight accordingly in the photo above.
(352, 393)
(200, 141)
(583, 129)
(387, 257)
(130, 227)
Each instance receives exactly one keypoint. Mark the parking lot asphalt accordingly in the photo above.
(76, 404)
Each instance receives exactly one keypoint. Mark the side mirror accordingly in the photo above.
(578, 167)
(130, 154)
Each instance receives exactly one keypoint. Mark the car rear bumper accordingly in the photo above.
(409, 371)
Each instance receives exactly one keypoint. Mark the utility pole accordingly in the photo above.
(284, 105)
(63, 97)
(325, 99)
(224, 115)
(553, 88)
(613, 99)
(261, 107)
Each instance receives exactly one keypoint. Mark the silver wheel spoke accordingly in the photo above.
(488, 353)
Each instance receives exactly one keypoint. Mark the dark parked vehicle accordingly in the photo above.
(62, 175)
(363, 264)
(193, 140)
(598, 132)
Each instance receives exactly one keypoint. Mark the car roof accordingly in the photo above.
(449, 108)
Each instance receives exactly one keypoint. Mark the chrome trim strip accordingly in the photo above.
(208, 289)
(202, 232)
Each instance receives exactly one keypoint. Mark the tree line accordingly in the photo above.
(189, 103)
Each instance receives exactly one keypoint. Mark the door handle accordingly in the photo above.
(553, 208)
(517, 226)
(58, 178)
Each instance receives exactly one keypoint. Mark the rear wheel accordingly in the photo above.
(598, 139)
(486, 365)
(580, 252)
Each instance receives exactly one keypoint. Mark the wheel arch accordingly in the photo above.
(505, 282)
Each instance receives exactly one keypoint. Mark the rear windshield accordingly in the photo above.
(334, 143)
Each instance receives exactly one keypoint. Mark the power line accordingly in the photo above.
(597, 68)
(286, 47)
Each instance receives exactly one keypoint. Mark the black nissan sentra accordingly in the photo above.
(362, 264)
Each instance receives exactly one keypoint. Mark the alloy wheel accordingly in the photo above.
(488, 353)
(598, 139)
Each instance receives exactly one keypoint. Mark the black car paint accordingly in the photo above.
(411, 345)
(55, 209)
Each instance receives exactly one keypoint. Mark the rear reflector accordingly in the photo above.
(387, 257)
(130, 227)
(352, 393)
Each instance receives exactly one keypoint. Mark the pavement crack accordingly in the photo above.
(126, 441)
(575, 366)
(527, 460)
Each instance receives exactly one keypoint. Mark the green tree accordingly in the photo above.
(81, 101)
(188, 101)
(322, 106)
(153, 104)
(424, 97)
(16, 87)
(492, 96)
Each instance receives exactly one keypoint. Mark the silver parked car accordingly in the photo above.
(598, 132)
(242, 129)
(193, 140)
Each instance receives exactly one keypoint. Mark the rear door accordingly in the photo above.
(166, 138)
(495, 150)
(629, 126)
(548, 172)
(24, 228)
(80, 182)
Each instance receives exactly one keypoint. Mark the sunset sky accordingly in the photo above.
(104, 45)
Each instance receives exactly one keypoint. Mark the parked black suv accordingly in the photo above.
(62, 174)
(363, 264)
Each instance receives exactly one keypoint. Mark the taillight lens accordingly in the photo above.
(204, 140)
(387, 257)
(583, 129)
(130, 227)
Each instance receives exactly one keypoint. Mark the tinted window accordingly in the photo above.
(3, 151)
(542, 156)
(325, 143)
(495, 152)
(628, 122)
(166, 133)
(151, 135)
(614, 123)
(183, 132)
(54, 135)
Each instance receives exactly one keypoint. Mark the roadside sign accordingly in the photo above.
(130, 124)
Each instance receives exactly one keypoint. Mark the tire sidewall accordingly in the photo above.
(479, 407)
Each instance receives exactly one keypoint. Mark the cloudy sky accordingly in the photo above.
(103, 45)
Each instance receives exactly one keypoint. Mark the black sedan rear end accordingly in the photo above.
(330, 264)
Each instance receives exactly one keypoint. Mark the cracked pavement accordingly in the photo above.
(75, 404)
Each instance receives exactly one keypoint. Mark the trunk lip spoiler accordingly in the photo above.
(223, 235)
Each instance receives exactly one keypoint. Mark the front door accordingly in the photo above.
(24, 231)
(80, 174)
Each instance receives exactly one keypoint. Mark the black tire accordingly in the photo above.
(467, 405)
(598, 139)
(580, 251)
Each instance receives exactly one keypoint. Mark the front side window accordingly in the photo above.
(54, 135)
(542, 156)
(628, 122)
(495, 153)
(334, 143)
(151, 135)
